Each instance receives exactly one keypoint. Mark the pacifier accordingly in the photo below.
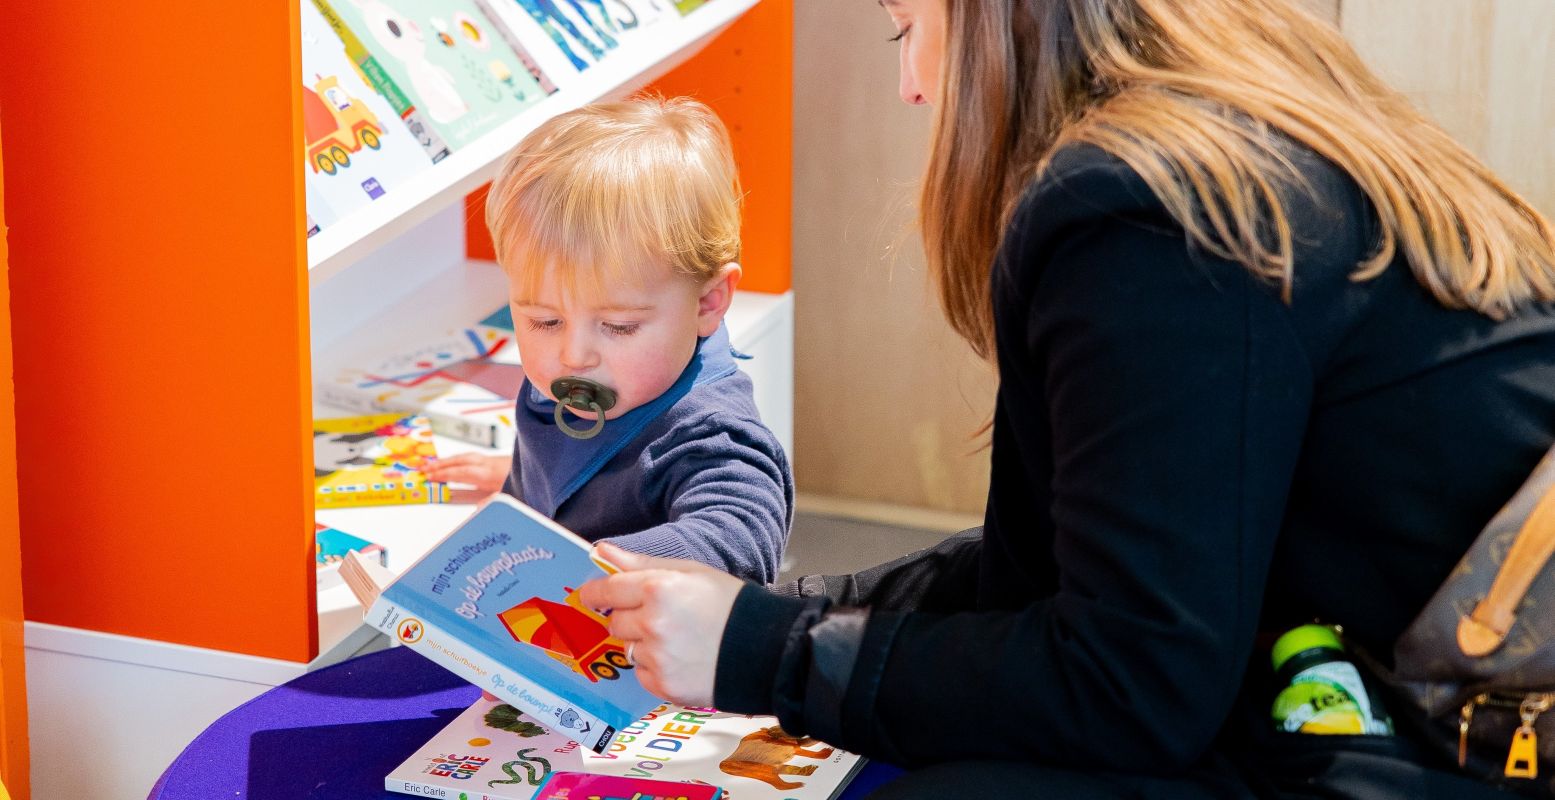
(582, 394)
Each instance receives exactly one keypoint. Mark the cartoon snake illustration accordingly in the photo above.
(529, 766)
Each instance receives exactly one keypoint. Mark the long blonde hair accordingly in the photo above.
(1193, 95)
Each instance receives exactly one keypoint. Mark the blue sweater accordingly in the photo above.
(692, 474)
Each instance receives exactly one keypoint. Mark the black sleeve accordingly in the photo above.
(1172, 395)
(933, 579)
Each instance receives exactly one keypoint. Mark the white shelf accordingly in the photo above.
(447, 182)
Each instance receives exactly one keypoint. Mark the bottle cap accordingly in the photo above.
(1304, 638)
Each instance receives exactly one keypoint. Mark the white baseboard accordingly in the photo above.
(156, 696)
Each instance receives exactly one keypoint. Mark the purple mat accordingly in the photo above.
(334, 734)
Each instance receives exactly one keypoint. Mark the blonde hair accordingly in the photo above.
(607, 192)
(1194, 95)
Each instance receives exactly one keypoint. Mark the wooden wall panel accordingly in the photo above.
(1327, 9)
(1483, 69)
(886, 396)
(1520, 142)
(13, 685)
(160, 322)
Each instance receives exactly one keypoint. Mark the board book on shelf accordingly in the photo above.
(449, 67)
(466, 382)
(331, 545)
(493, 750)
(587, 33)
(357, 149)
(496, 603)
(373, 461)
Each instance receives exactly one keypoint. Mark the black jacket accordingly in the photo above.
(1181, 460)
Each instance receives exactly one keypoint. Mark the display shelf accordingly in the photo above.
(466, 169)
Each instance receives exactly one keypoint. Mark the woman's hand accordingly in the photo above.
(486, 473)
(672, 613)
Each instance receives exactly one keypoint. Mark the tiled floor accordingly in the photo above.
(821, 545)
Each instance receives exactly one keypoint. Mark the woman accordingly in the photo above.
(1271, 348)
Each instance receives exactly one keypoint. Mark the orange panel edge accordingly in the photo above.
(13, 683)
(746, 75)
(160, 326)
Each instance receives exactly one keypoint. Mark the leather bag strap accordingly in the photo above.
(1483, 630)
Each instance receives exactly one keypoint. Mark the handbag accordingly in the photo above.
(1474, 673)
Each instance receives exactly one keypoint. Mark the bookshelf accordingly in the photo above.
(166, 323)
(465, 170)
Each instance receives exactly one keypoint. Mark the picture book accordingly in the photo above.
(450, 60)
(581, 33)
(356, 150)
(373, 72)
(373, 461)
(331, 546)
(493, 750)
(583, 786)
(496, 602)
(466, 382)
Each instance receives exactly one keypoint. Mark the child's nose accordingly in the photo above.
(578, 354)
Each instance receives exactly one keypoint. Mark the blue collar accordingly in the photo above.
(553, 466)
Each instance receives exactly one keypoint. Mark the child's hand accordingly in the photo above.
(485, 473)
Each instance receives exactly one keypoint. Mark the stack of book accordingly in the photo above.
(465, 382)
(495, 602)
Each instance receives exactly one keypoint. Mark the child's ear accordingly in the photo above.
(717, 294)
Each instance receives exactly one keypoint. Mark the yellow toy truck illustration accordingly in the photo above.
(336, 125)
(570, 633)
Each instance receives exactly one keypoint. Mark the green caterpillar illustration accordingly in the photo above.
(508, 718)
(535, 776)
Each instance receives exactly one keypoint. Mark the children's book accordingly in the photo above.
(496, 602)
(581, 33)
(583, 786)
(466, 382)
(450, 63)
(356, 149)
(373, 461)
(493, 750)
(331, 546)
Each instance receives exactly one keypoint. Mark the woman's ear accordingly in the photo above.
(717, 294)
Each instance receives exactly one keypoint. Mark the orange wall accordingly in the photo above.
(746, 76)
(13, 686)
(160, 320)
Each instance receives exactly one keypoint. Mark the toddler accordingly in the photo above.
(618, 226)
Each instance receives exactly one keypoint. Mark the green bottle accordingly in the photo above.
(1324, 692)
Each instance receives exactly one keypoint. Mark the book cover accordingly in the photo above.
(373, 461)
(493, 750)
(583, 786)
(450, 62)
(587, 32)
(466, 382)
(496, 603)
(356, 149)
(331, 546)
